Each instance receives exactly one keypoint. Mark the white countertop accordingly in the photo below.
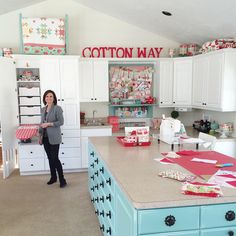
(136, 171)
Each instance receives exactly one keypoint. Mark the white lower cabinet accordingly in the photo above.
(91, 132)
(31, 158)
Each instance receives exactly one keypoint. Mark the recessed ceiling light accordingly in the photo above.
(166, 13)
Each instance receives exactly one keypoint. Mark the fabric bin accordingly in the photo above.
(33, 91)
(30, 110)
(29, 100)
(30, 120)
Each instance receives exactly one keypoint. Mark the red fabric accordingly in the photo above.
(26, 132)
(201, 169)
(187, 153)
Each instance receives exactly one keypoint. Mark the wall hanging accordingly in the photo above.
(43, 35)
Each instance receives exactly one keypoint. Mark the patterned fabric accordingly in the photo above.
(43, 36)
(26, 131)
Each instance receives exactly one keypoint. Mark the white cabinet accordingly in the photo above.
(214, 81)
(93, 77)
(31, 158)
(174, 82)
(91, 132)
(60, 74)
(226, 147)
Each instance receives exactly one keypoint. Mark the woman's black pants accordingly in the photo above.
(54, 162)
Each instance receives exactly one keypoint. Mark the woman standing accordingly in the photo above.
(50, 135)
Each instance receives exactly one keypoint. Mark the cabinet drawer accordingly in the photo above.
(67, 163)
(27, 63)
(218, 215)
(30, 110)
(29, 100)
(69, 152)
(219, 231)
(31, 151)
(73, 133)
(70, 142)
(31, 164)
(168, 220)
(30, 119)
(29, 91)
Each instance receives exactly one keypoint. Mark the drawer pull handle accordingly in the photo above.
(108, 214)
(108, 197)
(96, 161)
(96, 199)
(170, 220)
(102, 170)
(96, 186)
(109, 231)
(102, 199)
(231, 233)
(108, 181)
(92, 154)
(92, 177)
(102, 184)
(102, 213)
(96, 173)
(92, 189)
(92, 200)
(92, 165)
(97, 212)
(230, 215)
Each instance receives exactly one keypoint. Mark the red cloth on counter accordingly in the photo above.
(26, 131)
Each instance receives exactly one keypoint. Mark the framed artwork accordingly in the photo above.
(44, 36)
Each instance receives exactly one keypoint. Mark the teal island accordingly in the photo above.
(130, 198)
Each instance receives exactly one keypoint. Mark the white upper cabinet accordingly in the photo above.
(182, 89)
(175, 82)
(93, 78)
(214, 81)
(60, 74)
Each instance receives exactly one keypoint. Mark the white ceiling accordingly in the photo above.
(191, 21)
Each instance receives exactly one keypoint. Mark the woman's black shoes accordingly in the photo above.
(52, 181)
(63, 183)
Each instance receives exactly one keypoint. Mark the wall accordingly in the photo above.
(87, 27)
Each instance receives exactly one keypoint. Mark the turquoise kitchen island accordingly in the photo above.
(130, 198)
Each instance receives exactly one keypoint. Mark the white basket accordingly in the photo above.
(33, 91)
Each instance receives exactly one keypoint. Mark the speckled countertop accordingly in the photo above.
(136, 171)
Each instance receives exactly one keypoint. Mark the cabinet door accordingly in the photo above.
(200, 75)
(100, 79)
(182, 89)
(69, 98)
(214, 81)
(166, 83)
(50, 75)
(86, 81)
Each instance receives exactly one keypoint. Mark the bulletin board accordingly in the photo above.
(132, 81)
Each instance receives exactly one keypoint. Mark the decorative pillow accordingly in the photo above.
(43, 35)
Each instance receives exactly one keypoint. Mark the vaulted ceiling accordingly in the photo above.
(191, 21)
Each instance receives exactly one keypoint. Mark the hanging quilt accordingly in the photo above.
(43, 35)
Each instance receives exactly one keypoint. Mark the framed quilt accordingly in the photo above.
(46, 36)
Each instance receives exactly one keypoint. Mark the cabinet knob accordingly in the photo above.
(101, 170)
(96, 161)
(96, 186)
(109, 231)
(63, 163)
(62, 153)
(102, 199)
(96, 173)
(170, 220)
(102, 213)
(161, 102)
(230, 215)
(62, 99)
(91, 98)
(92, 165)
(31, 164)
(58, 99)
(174, 102)
(108, 181)
(231, 233)
(61, 133)
(92, 154)
(97, 212)
(92, 189)
(96, 199)
(95, 98)
(102, 184)
(92, 200)
(31, 152)
(62, 143)
(92, 177)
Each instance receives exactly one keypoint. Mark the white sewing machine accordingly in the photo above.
(170, 130)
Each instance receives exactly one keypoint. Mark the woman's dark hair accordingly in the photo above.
(54, 97)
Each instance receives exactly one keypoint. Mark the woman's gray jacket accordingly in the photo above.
(55, 116)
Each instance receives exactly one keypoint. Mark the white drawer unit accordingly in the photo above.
(30, 110)
(31, 164)
(30, 119)
(69, 152)
(67, 163)
(70, 133)
(29, 91)
(31, 151)
(29, 100)
(70, 142)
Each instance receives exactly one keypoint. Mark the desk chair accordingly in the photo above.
(209, 140)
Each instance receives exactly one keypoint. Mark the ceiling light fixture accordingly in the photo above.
(166, 13)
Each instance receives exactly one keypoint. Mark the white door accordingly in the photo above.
(166, 83)
(86, 81)
(182, 89)
(200, 77)
(70, 92)
(8, 114)
(49, 75)
(214, 84)
(100, 80)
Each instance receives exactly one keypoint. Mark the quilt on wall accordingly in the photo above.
(43, 36)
